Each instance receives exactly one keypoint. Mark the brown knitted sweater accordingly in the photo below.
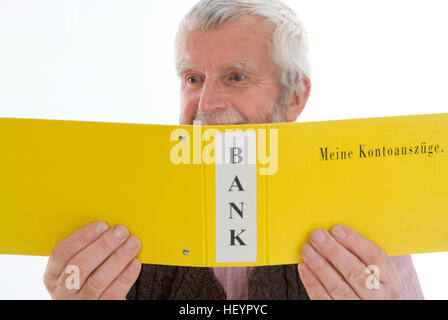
(158, 282)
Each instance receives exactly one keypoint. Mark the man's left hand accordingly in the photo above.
(339, 266)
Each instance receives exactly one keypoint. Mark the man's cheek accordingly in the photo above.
(253, 112)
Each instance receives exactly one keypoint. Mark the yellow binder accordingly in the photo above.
(385, 177)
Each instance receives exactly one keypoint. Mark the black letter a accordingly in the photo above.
(238, 184)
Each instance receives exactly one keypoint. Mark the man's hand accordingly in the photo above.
(334, 267)
(104, 258)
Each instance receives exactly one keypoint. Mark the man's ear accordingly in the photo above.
(296, 103)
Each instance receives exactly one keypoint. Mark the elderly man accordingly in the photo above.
(239, 61)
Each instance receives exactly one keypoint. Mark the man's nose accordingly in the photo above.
(213, 97)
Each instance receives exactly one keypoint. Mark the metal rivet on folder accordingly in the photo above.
(182, 137)
(186, 252)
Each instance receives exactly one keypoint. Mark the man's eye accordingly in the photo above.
(238, 77)
(192, 79)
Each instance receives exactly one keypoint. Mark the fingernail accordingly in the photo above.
(339, 232)
(131, 244)
(318, 236)
(101, 226)
(308, 251)
(120, 232)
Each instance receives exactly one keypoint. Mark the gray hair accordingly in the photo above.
(289, 48)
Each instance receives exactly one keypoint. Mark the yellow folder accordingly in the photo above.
(385, 177)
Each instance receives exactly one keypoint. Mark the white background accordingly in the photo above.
(114, 61)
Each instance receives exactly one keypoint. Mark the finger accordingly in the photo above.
(71, 245)
(106, 273)
(332, 280)
(123, 283)
(93, 256)
(344, 261)
(314, 288)
(367, 251)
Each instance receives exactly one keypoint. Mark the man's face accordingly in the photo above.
(227, 76)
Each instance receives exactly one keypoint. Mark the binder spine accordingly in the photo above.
(266, 213)
(206, 256)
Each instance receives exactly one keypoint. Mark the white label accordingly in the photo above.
(236, 196)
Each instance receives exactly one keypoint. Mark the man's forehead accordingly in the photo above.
(242, 43)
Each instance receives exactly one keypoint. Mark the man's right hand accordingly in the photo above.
(104, 257)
